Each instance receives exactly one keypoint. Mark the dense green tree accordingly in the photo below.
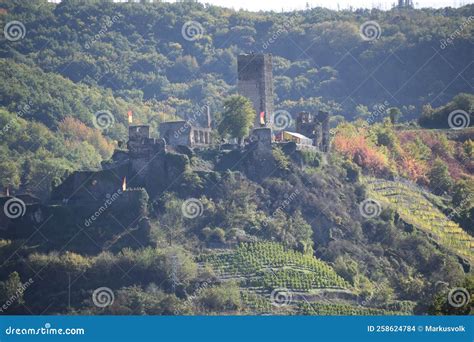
(237, 118)
(220, 298)
(456, 113)
(440, 179)
(11, 291)
(362, 112)
(460, 295)
(394, 114)
(463, 204)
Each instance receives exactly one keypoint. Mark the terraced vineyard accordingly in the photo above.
(278, 281)
(259, 304)
(268, 265)
(415, 208)
(256, 303)
(343, 309)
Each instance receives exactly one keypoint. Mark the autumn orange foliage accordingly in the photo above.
(413, 169)
(75, 130)
(359, 150)
(408, 154)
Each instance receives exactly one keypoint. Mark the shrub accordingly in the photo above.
(282, 161)
(225, 297)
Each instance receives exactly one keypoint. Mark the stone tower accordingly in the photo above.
(255, 82)
(323, 119)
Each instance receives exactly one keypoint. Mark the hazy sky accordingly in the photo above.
(277, 5)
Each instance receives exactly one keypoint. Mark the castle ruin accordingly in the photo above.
(315, 127)
(188, 132)
(255, 82)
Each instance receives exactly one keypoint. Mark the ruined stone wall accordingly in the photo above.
(138, 132)
(316, 127)
(176, 133)
(112, 223)
(263, 136)
(182, 133)
(87, 186)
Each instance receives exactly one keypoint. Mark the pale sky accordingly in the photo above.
(288, 5)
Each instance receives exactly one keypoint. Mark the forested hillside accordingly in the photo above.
(138, 51)
(94, 56)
